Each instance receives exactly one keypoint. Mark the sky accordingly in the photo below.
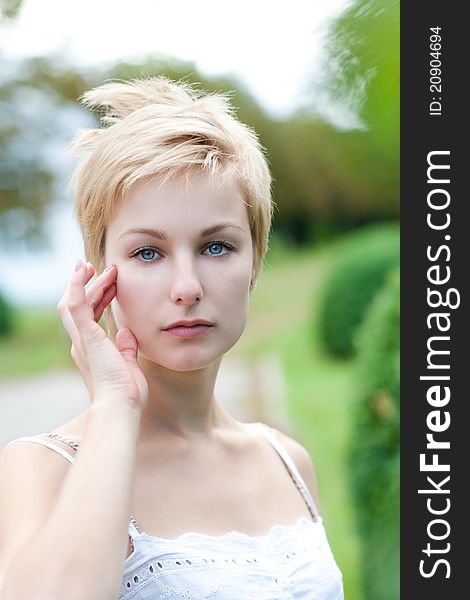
(274, 48)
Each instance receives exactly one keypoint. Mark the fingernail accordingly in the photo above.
(108, 268)
(78, 265)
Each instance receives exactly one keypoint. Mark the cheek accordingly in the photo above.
(233, 289)
(132, 299)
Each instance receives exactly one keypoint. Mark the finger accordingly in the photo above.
(89, 274)
(126, 343)
(69, 326)
(74, 354)
(80, 311)
(90, 271)
(65, 295)
(96, 291)
(105, 302)
(62, 306)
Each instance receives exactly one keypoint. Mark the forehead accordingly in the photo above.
(182, 202)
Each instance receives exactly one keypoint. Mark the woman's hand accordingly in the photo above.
(109, 370)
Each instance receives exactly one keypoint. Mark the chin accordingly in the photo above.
(180, 365)
(187, 357)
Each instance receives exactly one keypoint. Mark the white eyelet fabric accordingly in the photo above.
(289, 562)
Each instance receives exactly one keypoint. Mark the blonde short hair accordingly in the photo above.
(156, 127)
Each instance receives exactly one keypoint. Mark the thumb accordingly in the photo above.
(126, 343)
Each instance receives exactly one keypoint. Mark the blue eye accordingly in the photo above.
(147, 254)
(217, 248)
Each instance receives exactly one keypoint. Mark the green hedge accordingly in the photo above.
(375, 448)
(357, 274)
(6, 317)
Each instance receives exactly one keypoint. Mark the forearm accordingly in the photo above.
(80, 550)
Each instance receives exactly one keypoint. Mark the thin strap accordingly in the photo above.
(293, 471)
(50, 445)
(72, 443)
(134, 529)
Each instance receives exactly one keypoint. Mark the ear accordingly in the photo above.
(253, 281)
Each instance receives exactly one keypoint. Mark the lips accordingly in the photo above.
(189, 329)
(186, 323)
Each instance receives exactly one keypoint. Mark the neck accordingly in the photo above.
(181, 403)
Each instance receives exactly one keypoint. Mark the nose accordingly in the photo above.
(186, 286)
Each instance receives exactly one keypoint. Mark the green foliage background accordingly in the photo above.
(6, 317)
(375, 448)
(356, 276)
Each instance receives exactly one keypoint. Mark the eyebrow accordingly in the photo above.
(162, 235)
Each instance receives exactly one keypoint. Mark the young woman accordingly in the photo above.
(168, 494)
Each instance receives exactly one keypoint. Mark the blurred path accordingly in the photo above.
(250, 391)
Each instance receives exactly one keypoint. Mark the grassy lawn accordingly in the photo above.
(39, 343)
(320, 390)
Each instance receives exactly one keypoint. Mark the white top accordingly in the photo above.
(290, 562)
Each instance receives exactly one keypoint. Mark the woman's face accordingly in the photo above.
(182, 253)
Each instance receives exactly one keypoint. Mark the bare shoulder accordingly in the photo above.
(25, 464)
(302, 460)
(31, 476)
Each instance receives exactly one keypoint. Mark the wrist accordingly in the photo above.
(107, 408)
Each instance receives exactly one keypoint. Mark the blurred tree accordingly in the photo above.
(32, 100)
(362, 73)
(31, 93)
(9, 8)
(363, 64)
(318, 189)
(7, 317)
(374, 458)
(362, 262)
